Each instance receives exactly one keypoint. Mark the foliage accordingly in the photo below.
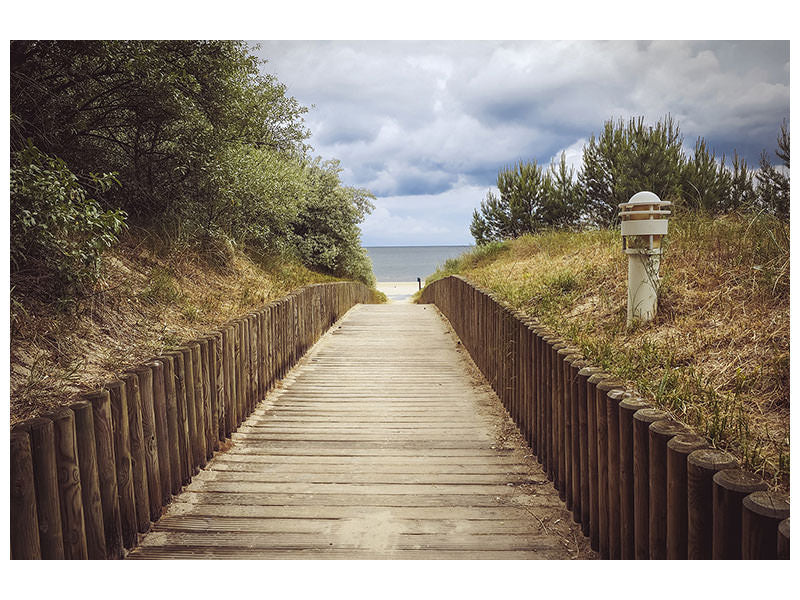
(531, 199)
(628, 158)
(210, 150)
(325, 229)
(773, 184)
(58, 233)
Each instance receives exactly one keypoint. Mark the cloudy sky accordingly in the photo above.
(425, 126)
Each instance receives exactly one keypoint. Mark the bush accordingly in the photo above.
(58, 234)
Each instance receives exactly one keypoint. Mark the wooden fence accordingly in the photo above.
(87, 479)
(640, 484)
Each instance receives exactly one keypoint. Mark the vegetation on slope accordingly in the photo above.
(717, 354)
(158, 188)
(148, 298)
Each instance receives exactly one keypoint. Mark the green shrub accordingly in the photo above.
(58, 234)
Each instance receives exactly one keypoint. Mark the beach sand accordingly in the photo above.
(398, 291)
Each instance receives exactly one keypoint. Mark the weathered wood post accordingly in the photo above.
(156, 369)
(628, 407)
(661, 432)
(783, 540)
(678, 450)
(641, 478)
(107, 471)
(122, 454)
(570, 427)
(149, 440)
(762, 513)
(595, 520)
(45, 472)
(174, 424)
(69, 485)
(24, 530)
(138, 468)
(603, 475)
(701, 467)
(587, 448)
(609, 402)
(90, 483)
(730, 488)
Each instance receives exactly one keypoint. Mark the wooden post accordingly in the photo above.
(205, 350)
(557, 413)
(24, 530)
(641, 478)
(700, 469)
(138, 466)
(762, 512)
(783, 540)
(107, 471)
(230, 388)
(215, 380)
(596, 523)
(561, 418)
(678, 450)
(613, 397)
(45, 473)
(69, 485)
(570, 425)
(575, 402)
(162, 431)
(152, 462)
(730, 488)
(603, 476)
(191, 409)
(199, 403)
(90, 483)
(122, 454)
(585, 445)
(175, 422)
(661, 432)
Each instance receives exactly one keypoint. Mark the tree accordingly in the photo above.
(773, 184)
(629, 158)
(206, 146)
(325, 231)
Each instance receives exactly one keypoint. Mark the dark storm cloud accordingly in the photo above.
(427, 125)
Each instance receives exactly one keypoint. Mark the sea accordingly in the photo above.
(406, 263)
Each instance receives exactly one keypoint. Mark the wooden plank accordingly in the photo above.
(380, 443)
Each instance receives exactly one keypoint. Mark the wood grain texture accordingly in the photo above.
(122, 455)
(45, 472)
(69, 485)
(90, 482)
(152, 460)
(141, 493)
(24, 530)
(383, 442)
(160, 411)
(107, 471)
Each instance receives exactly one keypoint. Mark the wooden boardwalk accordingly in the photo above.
(384, 442)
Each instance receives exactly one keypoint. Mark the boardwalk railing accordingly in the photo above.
(640, 484)
(87, 479)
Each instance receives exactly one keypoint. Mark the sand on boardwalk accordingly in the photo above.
(398, 291)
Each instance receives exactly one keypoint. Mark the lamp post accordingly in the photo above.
(644, 224)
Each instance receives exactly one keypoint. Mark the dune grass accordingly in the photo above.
(150, 297)
(717, 354)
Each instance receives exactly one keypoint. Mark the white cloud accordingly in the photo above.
(433, 120)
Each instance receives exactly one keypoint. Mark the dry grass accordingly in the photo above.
(146, 301)
(717, 355)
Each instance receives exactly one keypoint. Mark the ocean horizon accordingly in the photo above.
(406, 263)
